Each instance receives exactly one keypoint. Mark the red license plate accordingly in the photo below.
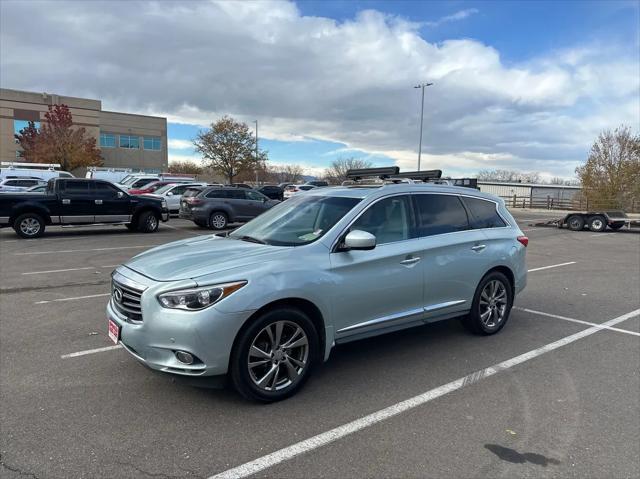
(114, 332)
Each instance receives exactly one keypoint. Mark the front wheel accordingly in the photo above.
(491, 304)
(273, 357)
(575, 223)
(29, 225)
(148, 222)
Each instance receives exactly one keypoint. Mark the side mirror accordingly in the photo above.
(120, 194)
(359, 240)
(170, 193)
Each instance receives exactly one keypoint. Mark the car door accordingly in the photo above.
(111, 204)
(380, 289)
(173, 199)
(453, 254)
(238, 203)
(77, 202)
(257, 203)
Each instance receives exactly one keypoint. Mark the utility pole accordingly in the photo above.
(422, 85)
(257, 161)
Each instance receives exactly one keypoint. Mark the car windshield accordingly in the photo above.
(164, 189)
(298, 221)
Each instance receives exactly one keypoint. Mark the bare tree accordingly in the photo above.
(285, 173)
(337, 172)
(185, 166)
(229, 148)
(509, 176)
(611, 175)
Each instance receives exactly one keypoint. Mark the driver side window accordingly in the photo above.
(389, 220)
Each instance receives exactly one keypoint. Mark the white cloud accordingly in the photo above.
(312, 77)
(459, 15)
(176, 144)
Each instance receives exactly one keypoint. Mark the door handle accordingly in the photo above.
(478, 247)
(98, 202)
(410, 261)
(66, 202)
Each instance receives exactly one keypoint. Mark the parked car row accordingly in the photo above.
(80, 202)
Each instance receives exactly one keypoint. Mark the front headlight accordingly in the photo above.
(198, 298)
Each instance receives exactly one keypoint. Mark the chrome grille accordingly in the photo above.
(126, 300)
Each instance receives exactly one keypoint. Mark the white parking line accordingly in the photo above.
(72, 299)
(602, 235)
(90, 351)
(339, 432)
(68, 269)
(86, 250)
(551, 266)
(579, 321)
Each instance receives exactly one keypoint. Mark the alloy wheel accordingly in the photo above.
(493, 303)
(152, 223)
(30, 226)
(218, 221)
(278, 356)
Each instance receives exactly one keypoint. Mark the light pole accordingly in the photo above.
(422, 85)
(257, 161)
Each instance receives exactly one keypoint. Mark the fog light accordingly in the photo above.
(184, 357)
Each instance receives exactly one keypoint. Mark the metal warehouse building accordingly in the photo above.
(531, 194)
(125, 140)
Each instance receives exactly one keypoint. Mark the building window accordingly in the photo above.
(19, 125)
(152, 143)
(107, 140)
(130, 142)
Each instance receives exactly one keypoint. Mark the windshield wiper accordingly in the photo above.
(251, 239)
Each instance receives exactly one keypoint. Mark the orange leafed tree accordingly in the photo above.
(58, 142)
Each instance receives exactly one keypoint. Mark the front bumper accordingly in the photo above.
(208, 334)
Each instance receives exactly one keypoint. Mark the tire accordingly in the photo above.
(282, 377)
(147, 222)
(597, 224)
(477, 320)
(218, 220)
(575, 223)
(29, 225)
(616, 226)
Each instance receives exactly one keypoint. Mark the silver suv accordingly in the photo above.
(267, 302)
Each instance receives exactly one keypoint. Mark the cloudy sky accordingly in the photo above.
(516, 85)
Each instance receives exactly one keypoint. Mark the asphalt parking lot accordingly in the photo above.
(555, 394)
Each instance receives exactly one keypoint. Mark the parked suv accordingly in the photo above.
(268, 301)
(216, 207)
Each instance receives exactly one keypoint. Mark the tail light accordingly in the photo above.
(523, 240)
(194, 201)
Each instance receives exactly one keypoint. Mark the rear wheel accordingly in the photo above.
(148, 222)
(491, 305)
(29, 225)
(273, 357)
(218, 220)
(575, 223)
(597, 224)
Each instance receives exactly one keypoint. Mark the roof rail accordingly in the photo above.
(427, 175)
(382, 173)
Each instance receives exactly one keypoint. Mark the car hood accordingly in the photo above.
(200, 256)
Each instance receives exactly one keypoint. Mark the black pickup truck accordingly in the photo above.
(79, 202)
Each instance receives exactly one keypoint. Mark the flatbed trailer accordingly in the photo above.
(596, 221)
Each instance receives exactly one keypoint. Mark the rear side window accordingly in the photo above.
(218, 194)
(439, 214)
(483, 213)
(76, 187)
(236, 194)
(192, 192)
